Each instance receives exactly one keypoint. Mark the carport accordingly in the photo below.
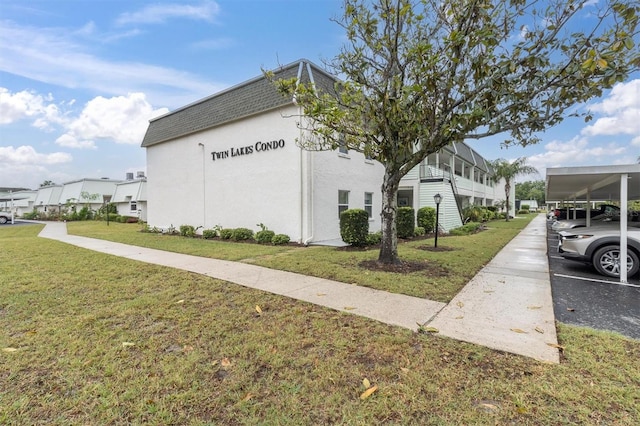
(11, 199)
(597, 183)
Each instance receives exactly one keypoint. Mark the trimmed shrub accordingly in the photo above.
(354, 226)
(113, 217)
(426, 218)
(523, 211)
(265, 236)
(187, 231)
(241, 234)
(374, 238)
(466, 229)
(492, 209)
(280, 239)
(525, 207)
(209, 234)
(405, 222)
(419, 231)
(226, 233)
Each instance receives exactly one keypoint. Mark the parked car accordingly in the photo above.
(568, 213)
(600, 220)
(600, 246)
(5, 218)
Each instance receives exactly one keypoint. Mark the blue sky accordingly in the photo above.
(79, 81)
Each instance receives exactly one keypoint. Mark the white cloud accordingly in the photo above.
(123, 119)
(20, 105)
(159, 13)
(621, 110)
(27, 155)
(575, 152)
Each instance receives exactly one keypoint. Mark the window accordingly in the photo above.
(368, 203)
(343, 201)
(342, 147)
(133, 206)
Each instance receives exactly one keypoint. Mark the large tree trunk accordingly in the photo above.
(389, 244)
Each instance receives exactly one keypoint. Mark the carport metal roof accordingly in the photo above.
(615, 183)
(600, 182)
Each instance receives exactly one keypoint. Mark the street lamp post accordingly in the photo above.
(438, 199)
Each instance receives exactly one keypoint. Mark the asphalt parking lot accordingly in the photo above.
(583, 297)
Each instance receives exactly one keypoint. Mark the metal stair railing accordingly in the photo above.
(454, 188)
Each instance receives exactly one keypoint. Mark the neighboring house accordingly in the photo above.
(130, 197)
(23, 201)
(16, 200)
(91, 193)
(48, 199)
(231, 160)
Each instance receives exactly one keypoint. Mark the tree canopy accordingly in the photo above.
(508, 171)
(421, 74)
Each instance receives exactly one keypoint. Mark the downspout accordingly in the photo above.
(308, 219)
(310, 208)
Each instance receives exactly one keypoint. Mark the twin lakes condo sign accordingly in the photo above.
(246, 150)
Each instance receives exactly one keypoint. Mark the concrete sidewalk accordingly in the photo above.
(507, 306)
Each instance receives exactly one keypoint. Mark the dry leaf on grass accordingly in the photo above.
(258, 309)
(366, 394)
(9, 350)
(180, 301)
(366, 383)
(225, 362)
(127, 344)
(247, 397)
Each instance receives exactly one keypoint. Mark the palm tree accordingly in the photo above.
(503, 169)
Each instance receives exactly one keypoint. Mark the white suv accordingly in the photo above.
(5, 218)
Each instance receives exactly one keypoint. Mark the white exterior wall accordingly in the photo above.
(48, 196)
(351, 172)
(186, 186)
(131, 191)
(289, 190)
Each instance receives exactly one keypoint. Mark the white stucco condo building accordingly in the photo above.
(130, 197)
(232, 160)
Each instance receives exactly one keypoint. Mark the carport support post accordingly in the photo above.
(624, 178)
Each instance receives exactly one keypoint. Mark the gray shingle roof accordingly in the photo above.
(251, 97)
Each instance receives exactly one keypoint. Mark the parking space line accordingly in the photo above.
(597, 281)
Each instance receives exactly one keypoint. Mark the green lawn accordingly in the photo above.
(88, 338)
(446, 272)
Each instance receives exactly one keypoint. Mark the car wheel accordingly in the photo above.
(607, 261)
(3, 220)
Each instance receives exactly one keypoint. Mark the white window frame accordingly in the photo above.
(368, 207)
(343, 204)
